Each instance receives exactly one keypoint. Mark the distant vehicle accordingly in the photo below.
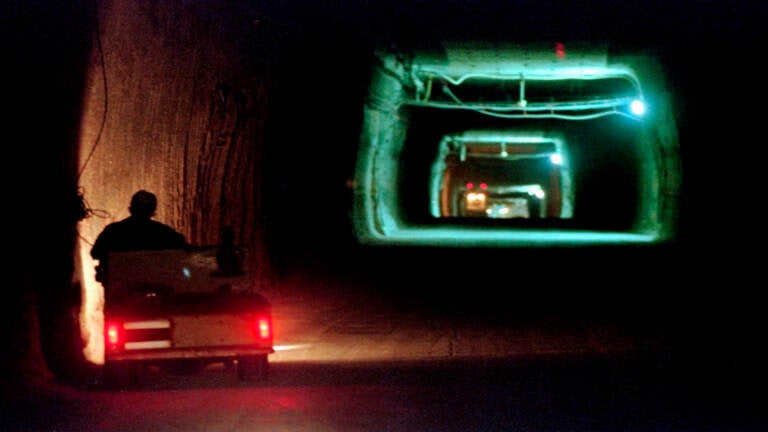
(485, 174)
(176, 310)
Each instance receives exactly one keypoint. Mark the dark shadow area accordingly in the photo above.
(576, 393)
(47, 44)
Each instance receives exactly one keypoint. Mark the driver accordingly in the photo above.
(136, 232)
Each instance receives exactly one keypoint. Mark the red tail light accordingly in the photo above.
(263, 328)
(560, 50)
(113, 335)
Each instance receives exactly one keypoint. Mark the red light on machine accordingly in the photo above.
(470, 185)
(483, 186)
(560, 50)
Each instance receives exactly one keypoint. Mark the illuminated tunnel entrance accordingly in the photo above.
(488, 145)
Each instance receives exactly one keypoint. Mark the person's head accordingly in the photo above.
(143, 204)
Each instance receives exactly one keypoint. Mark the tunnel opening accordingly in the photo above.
(577, 151)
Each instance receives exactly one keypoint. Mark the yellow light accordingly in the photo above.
(475, 201)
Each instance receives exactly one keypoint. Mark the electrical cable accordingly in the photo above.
(86, 210)
(611, 105)
(577, 75)
(100, 50)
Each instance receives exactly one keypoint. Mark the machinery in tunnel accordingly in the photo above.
(488, 144)
(501, 175)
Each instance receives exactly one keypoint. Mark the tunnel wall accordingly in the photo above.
(659, 167)
(383, 134)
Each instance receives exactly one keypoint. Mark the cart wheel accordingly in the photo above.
(252, 368)
(120, 374)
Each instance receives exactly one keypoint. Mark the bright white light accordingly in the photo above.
(637, 107)
(556, 158)
(475, 201)
(475, 197)
(290, 347)
(536, 191)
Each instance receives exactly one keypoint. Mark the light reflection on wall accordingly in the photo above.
(92, 308)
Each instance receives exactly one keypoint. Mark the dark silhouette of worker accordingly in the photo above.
(229, 257)
(136, 232)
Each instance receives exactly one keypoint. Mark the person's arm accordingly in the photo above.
(99, 252)
(99, 249)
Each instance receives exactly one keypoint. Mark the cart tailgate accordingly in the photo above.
(192, 331)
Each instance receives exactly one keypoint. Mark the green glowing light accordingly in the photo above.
(637, 107)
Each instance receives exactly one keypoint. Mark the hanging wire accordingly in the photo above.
(85, 210)
(533, 112)
(100, 51)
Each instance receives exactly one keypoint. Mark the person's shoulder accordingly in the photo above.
(113, 226)
(119, 224)
(166, 227)
(168, 231)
